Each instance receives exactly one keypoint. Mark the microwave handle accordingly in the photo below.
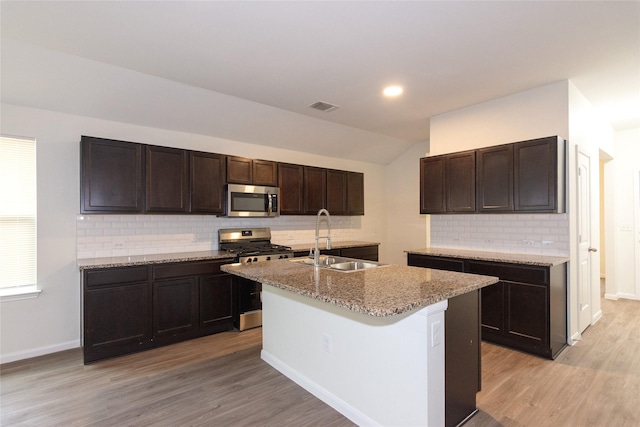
(270, 205)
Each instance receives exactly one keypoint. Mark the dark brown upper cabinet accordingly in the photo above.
(433, 185)
(526, 176)
(291, 183)
(337, 192)
(112, 179)
(495, 179)
(126, 177)
(355, 193)
(315, 189)
(448, 183)
(241, 170)
(265, 172)
(304, 190)
(461, 182)
(538, 165)
(167, 173)
(207, 175)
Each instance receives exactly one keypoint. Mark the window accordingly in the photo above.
(17, 218)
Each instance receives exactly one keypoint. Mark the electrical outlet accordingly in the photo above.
(527, 242)
(327, 343)
(436, 334)
(547, 243)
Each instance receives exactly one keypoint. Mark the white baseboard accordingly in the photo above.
(596, 317)
(40, 351)
(575, 338)
(620, 295)
(320, 392)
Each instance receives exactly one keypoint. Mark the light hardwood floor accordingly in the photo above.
(221, 381)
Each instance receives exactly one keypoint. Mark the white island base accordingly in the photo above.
(376, 371)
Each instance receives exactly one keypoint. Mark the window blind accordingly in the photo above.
(17, 212)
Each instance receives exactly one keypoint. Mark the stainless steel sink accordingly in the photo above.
(323, 260)
(338, 263)
(353, 265)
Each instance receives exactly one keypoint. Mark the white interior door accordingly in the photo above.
(584, 241)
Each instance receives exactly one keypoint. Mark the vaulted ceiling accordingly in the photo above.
(249, 70)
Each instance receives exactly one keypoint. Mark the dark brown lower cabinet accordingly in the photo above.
(174, 308)
(130, 309)
(117, 312)
(526, 310)
(462, 363)
(216, 304)
(369, 253)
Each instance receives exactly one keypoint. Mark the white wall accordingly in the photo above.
(51, 322)
(406, 228)
(531, 114)
(622, 225)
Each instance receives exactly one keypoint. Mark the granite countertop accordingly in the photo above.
(383, 291)
(125, 261)
(334, 245)
(528, 259)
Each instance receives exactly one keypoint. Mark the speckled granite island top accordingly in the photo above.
(125, 261)
(528, 259)
(383, 291)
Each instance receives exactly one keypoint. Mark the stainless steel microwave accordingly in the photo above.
(252, 201)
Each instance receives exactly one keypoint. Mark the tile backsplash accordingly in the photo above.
(541, 234)
(122, 235)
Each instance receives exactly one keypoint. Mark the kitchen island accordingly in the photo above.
(369, 343)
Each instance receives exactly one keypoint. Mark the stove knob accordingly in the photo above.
(268, 258)
(248, 260)
(255, 259)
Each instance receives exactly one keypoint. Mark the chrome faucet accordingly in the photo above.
(316, 252)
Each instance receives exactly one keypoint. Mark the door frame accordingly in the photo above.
(583, 294)
(636, 231)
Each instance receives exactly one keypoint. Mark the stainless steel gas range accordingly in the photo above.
(250, 245)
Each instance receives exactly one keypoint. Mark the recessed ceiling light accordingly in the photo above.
(393, 90)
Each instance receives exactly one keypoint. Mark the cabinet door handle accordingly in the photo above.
(593, 250)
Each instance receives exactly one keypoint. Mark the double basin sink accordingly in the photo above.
(338, 263)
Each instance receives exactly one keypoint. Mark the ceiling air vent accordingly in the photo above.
(323, 106)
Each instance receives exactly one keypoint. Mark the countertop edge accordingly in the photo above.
(136, 260)
(112, 262)
(504, 257)
(480, 282)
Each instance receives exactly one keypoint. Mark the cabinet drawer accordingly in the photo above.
(116, 275)
(165, 271)
(437, 263)
(511, 272)
(361, 252)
